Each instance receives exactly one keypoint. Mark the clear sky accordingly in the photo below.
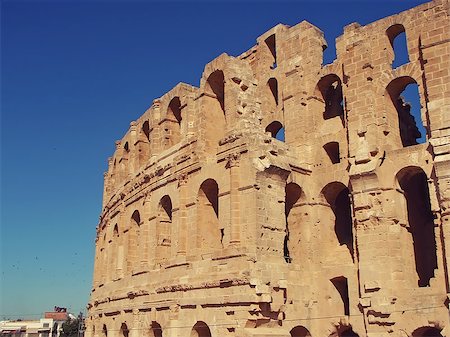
(73, 76)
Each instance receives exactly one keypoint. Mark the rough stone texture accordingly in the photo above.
(213, 227)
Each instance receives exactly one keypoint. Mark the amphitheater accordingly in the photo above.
(284, 197)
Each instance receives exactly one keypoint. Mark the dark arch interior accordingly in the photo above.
(146, 130)
(337, 195)
(216, 83)
(166, 204)
(273, 85)
(413, 182)
(211, 191)
(427, 332)
(175, 108)
(300, 331)
(332, 150)
(201, 329)
(330, 88)
(136, 217)
(271, 44)
(156, 330)
(293, 193)
(276, 130)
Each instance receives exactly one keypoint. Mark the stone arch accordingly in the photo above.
(164, 228)
(407, 125)
(293, 239)
(300, 331)
(210, 232)
(272, 83)
(271, 44)
(124, 332)
(396, 33)
(276, 130)
(200, 329)
(329, 88)
(332, 151)
(427, 331)
(133, 241)
(337, 196)
(155, 330)
(413, 183)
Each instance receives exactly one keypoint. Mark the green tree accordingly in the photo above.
(70, 327)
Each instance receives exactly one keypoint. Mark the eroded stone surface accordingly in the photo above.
(213, 227)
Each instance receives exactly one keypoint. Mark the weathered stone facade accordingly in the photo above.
(213, 227)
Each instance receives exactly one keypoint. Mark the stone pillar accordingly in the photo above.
(182, 221)
(235, 216)
(144, 234)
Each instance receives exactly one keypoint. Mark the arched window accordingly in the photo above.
(271, 44)
(276, 130)
(105, 331)
(292, 238)
(164, 228)
(172, 125)
(273, 86)
(216, 87)
(124, 330)
(210, 232)
(300, 331)
(397, 38)
(398, 90)
(200, 329)
(155, 330)
(341, 285)
(413, 182)
(337, 196)
(214, 124)
(332, 150)
(330, 88)
(133, 242)
(427, 331)
(146, 130)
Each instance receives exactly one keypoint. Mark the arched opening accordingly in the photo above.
(276, 130)
(172, 125)
(104, 331)
(200, 329)
(300, 331)
(427, 332)
(155, 330)
(214, 120)
(164, 228)
(341, 285)
(146, 130)
(124, 332)
(332, 150)
(397, 38)
(293, 193)
(271, 44)
(126, 147)
(118, 252)
(216, 87)
(273, 86)
(337, 196)
(210, 232)
(133, 243)
(413, 182)
(330, 88)
(405, 97)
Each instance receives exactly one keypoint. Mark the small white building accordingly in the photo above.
(44, 327)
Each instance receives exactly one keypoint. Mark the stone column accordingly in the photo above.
(235, 221)
(182, 223)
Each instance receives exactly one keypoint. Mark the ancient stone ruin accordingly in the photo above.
(215, 223)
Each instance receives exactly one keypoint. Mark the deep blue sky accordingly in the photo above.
(73, 76)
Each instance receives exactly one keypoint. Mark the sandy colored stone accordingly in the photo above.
(212, 227)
